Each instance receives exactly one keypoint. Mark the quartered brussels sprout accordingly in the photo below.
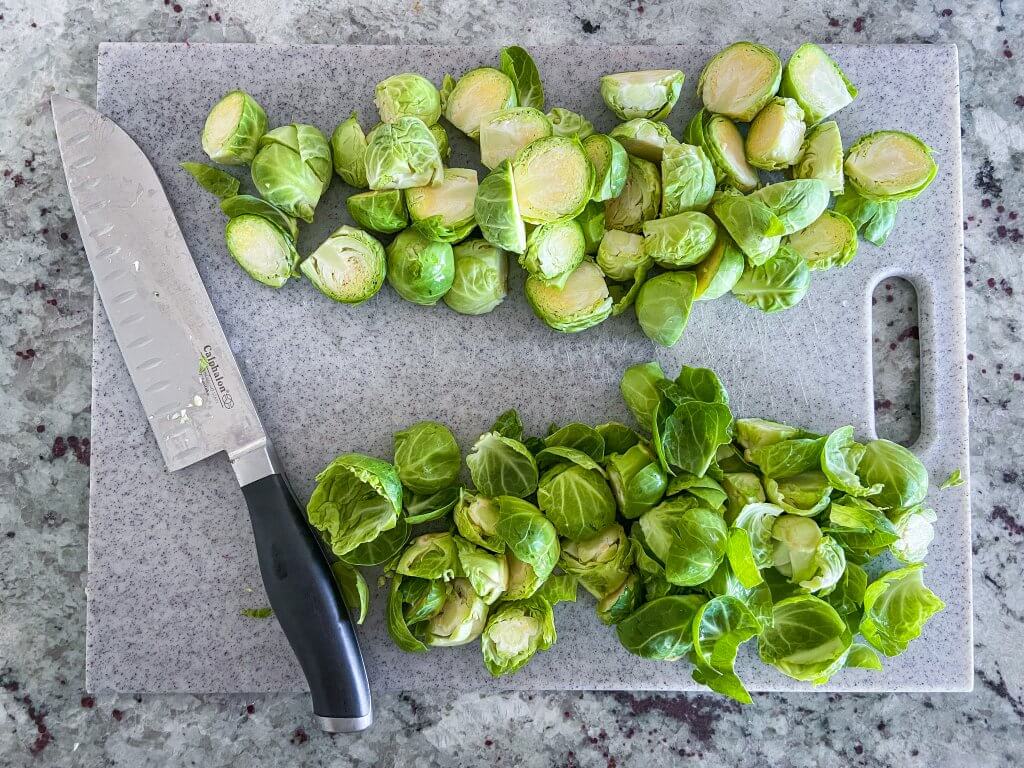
(723, 143)
(421, 270)
(565, 122)
(610, 163)
(740, 80)
(553, 179)
(574, 495)
(873, 219)
(379, 210)
(443, 210)
(621, 254)
(401, 155)
(441, 139)
(515, 632)
(890, 165)
(461, 619)
(620, 603)
(521, 69)
(591, 221)
(681, 240)
(348, 151)
(262, 249)
(644, 138)
(348, 266)
(581, 302)
(720, 270)
(504, 133)
(430, 556)
(478, 93)
(427, 457)
(829, 241)
(650, 94)
(293, 168)
(487, 572)
(687, 179)
(476, 518)
(554, 250)
(233, 129)
(600, 562)
(822, 157)
(663, 306)
(640, 199)
(637, 480)
(407, 95)
(778, 284)
(481, 278)
(817, 83)
(776, 135)
(497, 210)
(756, 230)
(240, 205)
(796, 203)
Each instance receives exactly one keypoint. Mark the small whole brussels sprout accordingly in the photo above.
(637, 480)
(496, 209)
(778, 284)
(600, 562)
(565, 122)
(481, 278)
(816, 82)
(582, 302)
(443, 211)
(293, 168)
(233, 129)
(348, 151)
(380, 210)
(650, 94)
(739, 80)
(723, 143)
(621, 254)
(461, 618)
(640, 199)
(644, 138)
(401, 155)
(889, 166)
(687, 179)
(427, 457)
(821, 157)
(829, 241)
(553, 179)
(348, 266)
(504, 133)
(476, 518)
(681, 240)
(478, 93)
(663, 306)
(720, 271)
(515, 632)
(776, 135)
(420, 270)
(407, 95)
(554, 250)
(261, 248)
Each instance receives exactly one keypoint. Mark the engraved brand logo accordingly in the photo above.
(213, 380)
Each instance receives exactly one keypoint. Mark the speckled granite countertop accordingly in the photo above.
(46, 718)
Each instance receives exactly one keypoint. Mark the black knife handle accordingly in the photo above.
(308, 605)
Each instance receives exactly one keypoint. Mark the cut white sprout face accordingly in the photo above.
(739, 80)
(345, 267)
(819, 82)
(452, 199)
(222, 122)
(504, 133)
(553, 179)
(513, 636)
(260, 248)
(478, 93)
(891, 163)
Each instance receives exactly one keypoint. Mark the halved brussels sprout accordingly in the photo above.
(554, 250)
(637, 480)
(478, 93)
(427, 457)
(776, 135)
(720, 270)
(874, 220)
(663, 306)
(504, 133)
(687, 179)
(293, 168)
(348, 151)
(575, 497)
(348, 266)
(233, 129)
(778, 284)
(644, 138)
(261, 248)
(600, 562)
(650, 94)
(582, 302)
(890, 165)
(621, 254)
(756, 230)
(476, 518)
(620, 603)
(497, 210)
(723, 143)
(816, 82)
(740, 80)
(521, 69)
(640, 199)
(822, 157)
(481, 278)
(407, 95)
(611, 164)
(443, 211)
(461, 618)
(486, 571)
(829, 241)
(430, 556)
(797, 203)
(591, 221)
(401, 155)
(421, 270)
(553, 179)
(515, 632)
(681, 240)
(239, 205)
(379, 210)
(441, 139)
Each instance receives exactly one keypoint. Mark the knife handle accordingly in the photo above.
(308, 605)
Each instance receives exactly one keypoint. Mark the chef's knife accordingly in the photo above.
(194, 395)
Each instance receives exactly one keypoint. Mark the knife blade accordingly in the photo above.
(194, 395)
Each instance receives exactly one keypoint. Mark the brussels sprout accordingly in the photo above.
(420, 270)
(554, 250)
(523, 581)
(430, 556)
(621, 254)
(896, 608)
(826, 568)
(575, 497)
(723, 143)
(501, 466)
(407, 95)
(796, 203)
(901, 475)
(355, 499)
(662, 628)
(486, 571)
(348, 266)
(620, 603)
(461, 618)
(915, 528)
(777, 285)
(720, 270)
(740, 80)
(481, 278)
(427, 457)
(687, 179)
(293, 168)
(874, 220)
(521, 69)
(637, 480)
(681, 240)
(401, 155)
(379, 210)
(821, 157)
(476, 518)
(720, 627)
(787, 457)
(443, 211)
(580, 303)
(650, 94)
(644, 138)
(528, 535)
(839, 462)
(796, 541)
(515, 632)
(816, 82)
(240, 205)
(580, 438)
(663, 306)
(424, 507)
(754, 433)
(830, 241)
(504, 133)
(776, 136)
(640, 386)
(348, 150)
(411, 602)
(440, 135)
(640, 199)
(478, 93)
(497, 210)
(600, 562)
(890, 166)
(691, 434)
(553, 179)
(756, 230)
(611, 164)
(805, 493)
(215, 181)
(354, 591)
(262, 249)
(233, 129)
(565, 122)
(591, 221)
(806, 639)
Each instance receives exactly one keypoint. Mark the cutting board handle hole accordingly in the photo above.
(896, 360)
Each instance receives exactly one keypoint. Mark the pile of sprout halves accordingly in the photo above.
(695, 532)
(599, 222)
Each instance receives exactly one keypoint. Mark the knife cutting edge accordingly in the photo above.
(194, 396)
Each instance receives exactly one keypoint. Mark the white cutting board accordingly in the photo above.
(171, 558)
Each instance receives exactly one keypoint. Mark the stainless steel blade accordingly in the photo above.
(164, 323)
